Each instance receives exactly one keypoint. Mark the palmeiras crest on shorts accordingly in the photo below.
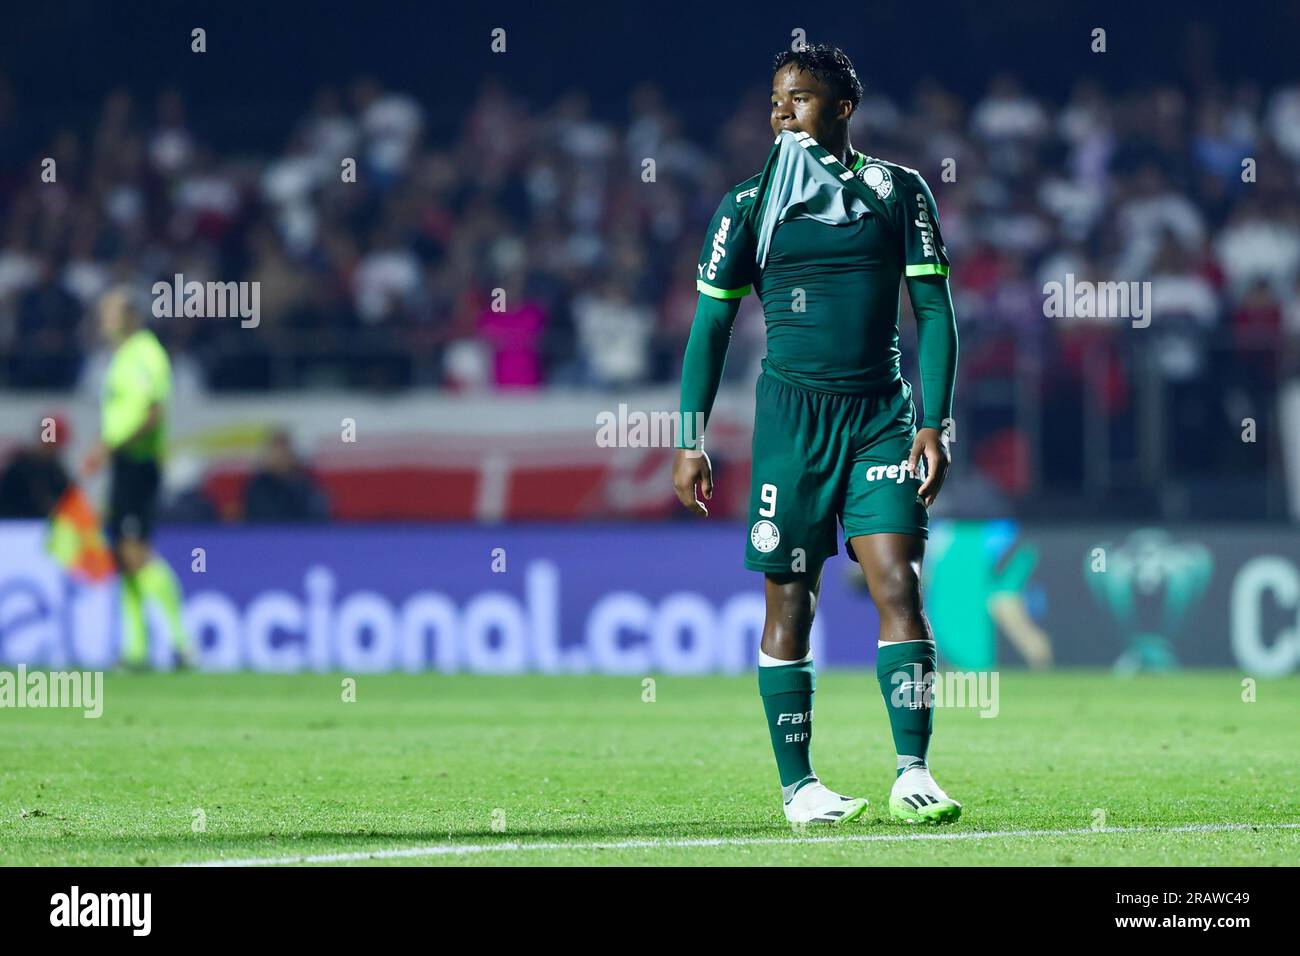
(878, 178)
(764, 536)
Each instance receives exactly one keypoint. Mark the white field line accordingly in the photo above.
(465, 849)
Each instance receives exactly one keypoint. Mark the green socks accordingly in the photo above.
(905, 671)
(787, 692)
(156, 581)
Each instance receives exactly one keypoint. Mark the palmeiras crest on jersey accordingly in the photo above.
(878, 179)
(764, 536)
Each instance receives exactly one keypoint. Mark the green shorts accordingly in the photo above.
(819, 458)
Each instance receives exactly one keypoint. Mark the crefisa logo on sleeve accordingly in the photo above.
(719, 247)
(133, 910)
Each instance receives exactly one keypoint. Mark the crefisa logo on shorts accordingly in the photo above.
(896, 473)
(765, 536)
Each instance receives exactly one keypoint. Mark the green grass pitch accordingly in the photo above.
(460, 770)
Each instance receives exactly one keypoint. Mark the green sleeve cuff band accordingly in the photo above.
(716, 293)
(927, 269)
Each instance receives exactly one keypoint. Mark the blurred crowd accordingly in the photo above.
(544, 245)
(279, 488)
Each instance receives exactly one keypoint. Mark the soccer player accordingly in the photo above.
(825, 235)
(132, 436)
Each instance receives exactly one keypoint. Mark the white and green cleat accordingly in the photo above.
(916, 798)
(816, 803)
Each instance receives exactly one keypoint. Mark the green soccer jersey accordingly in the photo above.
(830, 290)
(139, 374)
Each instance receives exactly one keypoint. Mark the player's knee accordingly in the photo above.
(797, 610)
(897, 590)
(791, 604)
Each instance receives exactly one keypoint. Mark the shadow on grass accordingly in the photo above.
(153, 850)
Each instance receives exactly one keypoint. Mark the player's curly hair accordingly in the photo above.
(829, 64)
